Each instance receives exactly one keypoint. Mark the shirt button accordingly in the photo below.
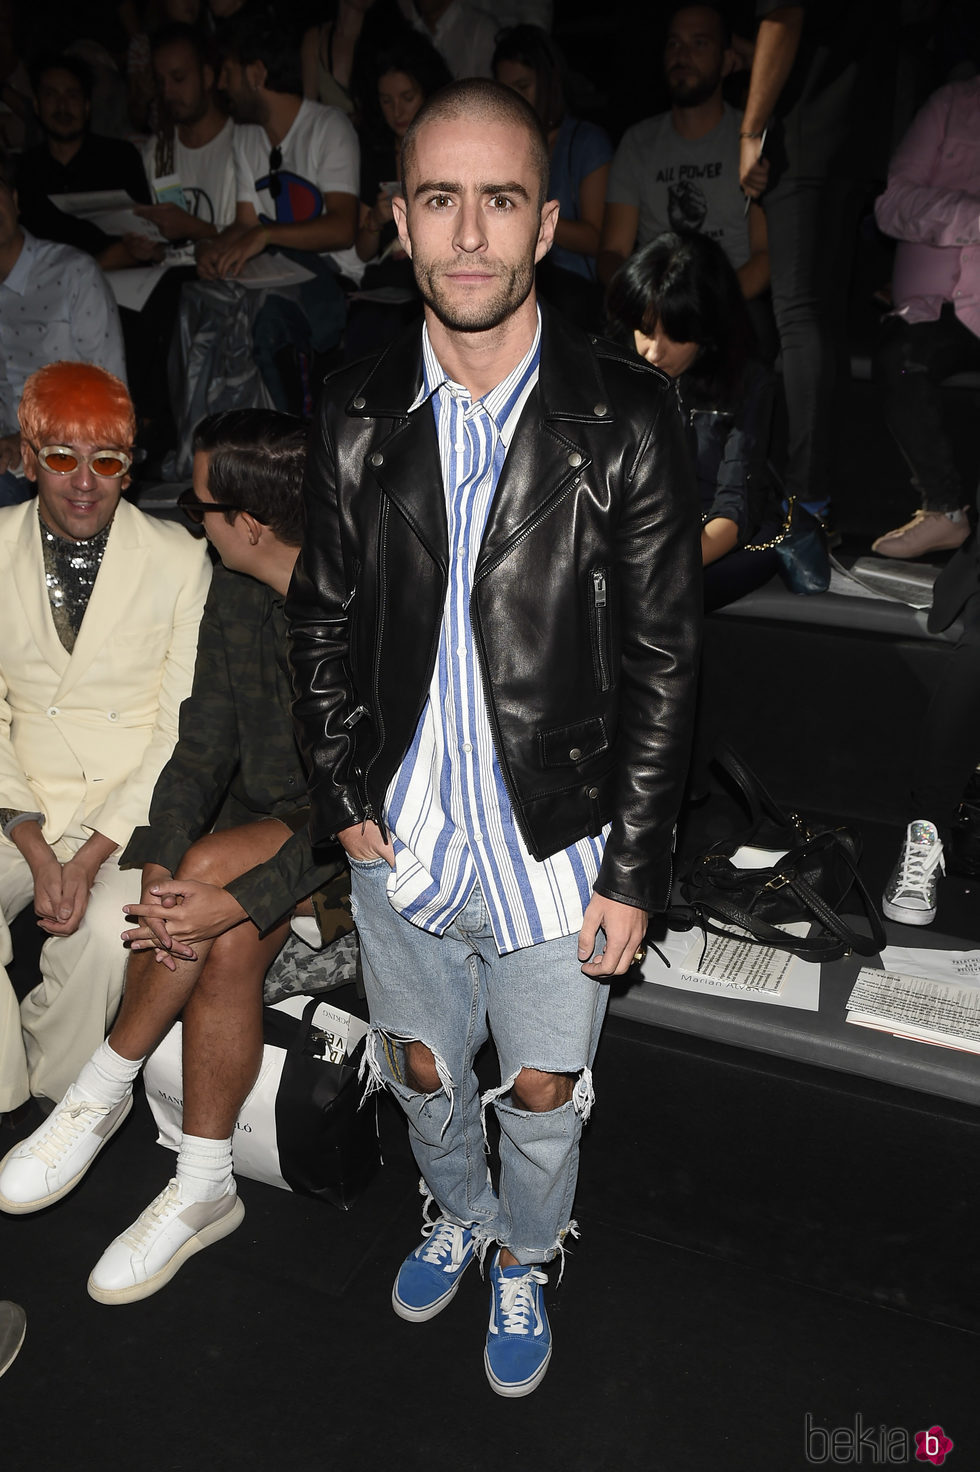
(478, 836)
(461, 552)
(575, 753)
(467, 746)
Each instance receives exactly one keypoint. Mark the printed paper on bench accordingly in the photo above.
(946, 1013)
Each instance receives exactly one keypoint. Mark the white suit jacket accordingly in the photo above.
(83, 736)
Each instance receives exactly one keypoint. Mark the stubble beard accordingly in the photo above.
(512, 291)
(692, 94)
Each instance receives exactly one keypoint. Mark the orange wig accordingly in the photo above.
(76, 403)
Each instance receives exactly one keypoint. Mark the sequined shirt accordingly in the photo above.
(70, 571)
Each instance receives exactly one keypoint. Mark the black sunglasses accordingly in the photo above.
(195, 510)
(275, 164)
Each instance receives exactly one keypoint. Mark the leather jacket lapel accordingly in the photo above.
(546, 457)
(405, 463)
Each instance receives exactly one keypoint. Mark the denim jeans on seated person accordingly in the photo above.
(542, 1012)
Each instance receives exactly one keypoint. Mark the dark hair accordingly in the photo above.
(258, 33)
(532, 47)
(256, 461)
(417, 58)
(178, 32)
(481, 98)
(60, 61)
(687, 285)
(6, 172)
(718, 10)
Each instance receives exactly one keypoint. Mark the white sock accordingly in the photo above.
(107, 1078)
(204, 1168)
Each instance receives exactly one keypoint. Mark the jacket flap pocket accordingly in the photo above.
(567, 746)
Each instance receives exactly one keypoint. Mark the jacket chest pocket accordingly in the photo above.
(570, 746)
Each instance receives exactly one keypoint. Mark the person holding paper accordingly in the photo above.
(216, 901)
(193, 148)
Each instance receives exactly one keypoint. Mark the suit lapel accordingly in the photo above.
(27, 560)
(115, 597)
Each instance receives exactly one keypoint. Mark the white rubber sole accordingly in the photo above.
(905, 916)
(204, 1238)
(420, 1315)
(524, 1387)
(23, 1208)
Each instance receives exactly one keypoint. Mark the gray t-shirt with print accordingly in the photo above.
(682, 184)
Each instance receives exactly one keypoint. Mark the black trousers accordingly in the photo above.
(812, 226)
(910, 364)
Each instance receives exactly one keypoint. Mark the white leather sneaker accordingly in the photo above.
(144, 1258)
(51, 1161)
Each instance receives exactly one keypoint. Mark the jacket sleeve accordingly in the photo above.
(128, 805)
(317, 604)
(914, 207)
(659, 572)
(193, 784)
(271, 890)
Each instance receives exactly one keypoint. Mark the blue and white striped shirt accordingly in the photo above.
(447, 806)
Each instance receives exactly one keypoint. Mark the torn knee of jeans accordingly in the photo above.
(384, 1066)
(582, 1099)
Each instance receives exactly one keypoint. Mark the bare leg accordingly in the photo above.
(220, 994)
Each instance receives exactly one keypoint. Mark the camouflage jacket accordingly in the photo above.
(236, 759)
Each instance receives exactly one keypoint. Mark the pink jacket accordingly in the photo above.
(932, 206)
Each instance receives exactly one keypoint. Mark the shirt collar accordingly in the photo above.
(498, 401)
(19, 277)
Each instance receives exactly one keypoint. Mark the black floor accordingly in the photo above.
(278, 1347)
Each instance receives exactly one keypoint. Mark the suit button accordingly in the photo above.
(53, 710)
(377, 458)
(113, 715)
(575, 753)
(359, 402)
(592, 793)
(600, 411)
(574, 459)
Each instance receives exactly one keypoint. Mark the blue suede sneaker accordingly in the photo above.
(428, 1278)
(519, 1338)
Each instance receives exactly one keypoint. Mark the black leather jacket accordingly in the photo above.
(586, 603)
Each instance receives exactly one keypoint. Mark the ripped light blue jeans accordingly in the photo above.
(450, 992)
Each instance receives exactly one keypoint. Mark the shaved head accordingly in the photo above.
(479, 100)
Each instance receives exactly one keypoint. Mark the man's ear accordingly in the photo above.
(257, 73)
(399, 210)
(208, 77)
(253, 527)
(729, 62)
(547, 228)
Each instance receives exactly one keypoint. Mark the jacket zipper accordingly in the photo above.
(599, 592)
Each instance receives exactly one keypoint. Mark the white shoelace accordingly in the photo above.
(919, 863)
(444, 1237)
(64, 1128)
(150, 1220)
(517, 1300)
